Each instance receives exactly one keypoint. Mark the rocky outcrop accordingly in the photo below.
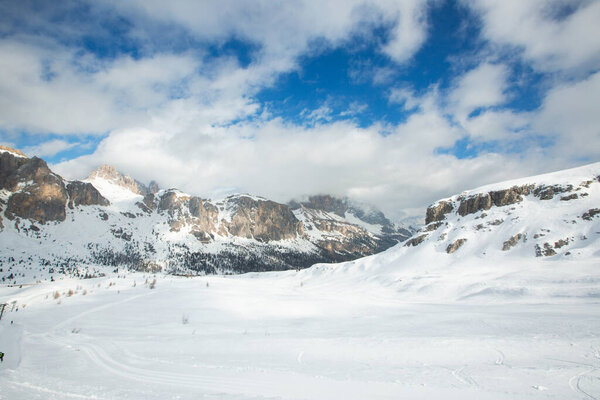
(498, 198)
(590, 214)
(10, 161)
(512, 242)
(84, 194)
(455, 245)
(263, 220)
(39, 194)
(545, 192)
(546, 250)
(415, 241)
(438, 211)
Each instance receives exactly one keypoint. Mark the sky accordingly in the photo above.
(392, 103)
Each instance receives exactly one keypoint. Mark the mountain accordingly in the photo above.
(110, 220)
(534, 238)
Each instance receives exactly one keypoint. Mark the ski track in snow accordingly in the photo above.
(575, 383)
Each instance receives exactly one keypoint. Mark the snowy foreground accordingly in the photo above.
(324, 333)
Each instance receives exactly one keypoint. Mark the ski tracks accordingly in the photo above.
(463, 377)
(575, 383)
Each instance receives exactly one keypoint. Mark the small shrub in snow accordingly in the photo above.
(153, 284)
(56, 295)
(185, 319)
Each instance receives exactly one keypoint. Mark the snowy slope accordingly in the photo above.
(536, 247)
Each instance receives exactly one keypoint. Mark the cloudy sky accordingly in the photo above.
(396, 103)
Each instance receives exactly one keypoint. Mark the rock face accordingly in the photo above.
(346, 229)
(498, 198)
(84, 194)
(263, 220)
(512, 242)
(110, 174)
(438, 211)
(455, 245)
(36, 192)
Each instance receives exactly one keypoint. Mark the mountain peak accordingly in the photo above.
(14, 152)
(111, 174)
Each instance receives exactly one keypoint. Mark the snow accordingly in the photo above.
(113, 192)
(13, 153)
(408, 323)
(290, 335)
(372, 228)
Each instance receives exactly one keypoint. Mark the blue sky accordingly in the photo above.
(393, 103)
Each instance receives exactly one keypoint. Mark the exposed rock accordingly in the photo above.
(496, 222)
(169, 201)
(41, 194)
(438, 211)
(263, 220)
(206, 216)
(327, 203)
(415, 241)
(455, 246)
(84, 194)
(150, 201)
(11, 150)
(498, 198)
(472, 204)
(547, 192)
(510, 196)
(9, 164)
(510, 243)
(545, 251)
(41, 203)
(569, 197)
(433, 226)
(590, 214)
(560, 243)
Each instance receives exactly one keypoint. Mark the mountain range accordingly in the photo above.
(110, 220)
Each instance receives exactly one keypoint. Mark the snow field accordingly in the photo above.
(307, 335)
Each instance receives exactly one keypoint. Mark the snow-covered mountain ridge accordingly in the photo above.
(544, 215)
(110, 220)
(534, 239)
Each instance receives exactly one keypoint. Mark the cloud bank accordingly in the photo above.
(173, 91)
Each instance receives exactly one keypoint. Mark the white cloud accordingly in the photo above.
(570, 113)
(321, 114)
(552, 42)
(49, 148)
(397, 171)
(410, 30)
(498, 126)
(481, 87)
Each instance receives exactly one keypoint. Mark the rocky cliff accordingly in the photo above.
(32, 191)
